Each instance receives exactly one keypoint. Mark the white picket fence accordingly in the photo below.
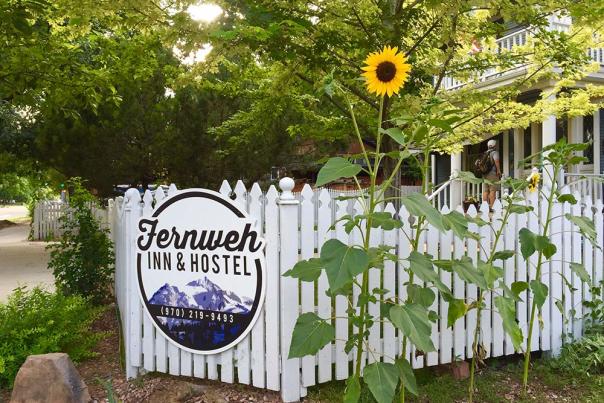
(296, 229)
(47, 225)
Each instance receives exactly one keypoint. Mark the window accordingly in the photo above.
(527, 142)
(588, 136)
(561, 129)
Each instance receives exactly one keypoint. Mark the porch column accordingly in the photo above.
(548, 137)
(456, 186)
(535, 140)
(518, 152)
(597, 143)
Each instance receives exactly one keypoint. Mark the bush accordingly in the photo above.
(82, 262)
(39, 322)
(584, 357)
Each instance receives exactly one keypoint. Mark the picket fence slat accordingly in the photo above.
(471, 289)
(296, 228)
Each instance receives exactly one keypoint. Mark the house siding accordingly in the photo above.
(601, 112)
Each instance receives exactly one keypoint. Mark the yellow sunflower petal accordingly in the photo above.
(380, 79)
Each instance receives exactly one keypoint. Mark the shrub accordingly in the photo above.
(82, 262)
(37, 322)
(584, 357)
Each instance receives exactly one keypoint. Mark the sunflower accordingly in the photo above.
(533, 181)
(386, 71)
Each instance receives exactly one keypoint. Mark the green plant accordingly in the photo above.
(37, 322)
(584, 356)
(594, 320)
(554, 158)
(347, 267)
(82, 262)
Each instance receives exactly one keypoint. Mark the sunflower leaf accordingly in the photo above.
(337, 168)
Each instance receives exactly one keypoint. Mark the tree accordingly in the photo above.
(315, 39)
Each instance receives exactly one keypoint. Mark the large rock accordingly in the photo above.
(49, 378)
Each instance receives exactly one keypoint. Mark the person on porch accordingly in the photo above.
(494, 175)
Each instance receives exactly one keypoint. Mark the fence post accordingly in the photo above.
(36, 222)
(132, 330)
(288, 241)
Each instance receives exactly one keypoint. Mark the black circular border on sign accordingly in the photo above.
(259, 278)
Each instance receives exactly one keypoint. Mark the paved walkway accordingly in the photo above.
(21, 262)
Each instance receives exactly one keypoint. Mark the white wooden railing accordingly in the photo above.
(507, 43)
(297, 230)
(585, 184)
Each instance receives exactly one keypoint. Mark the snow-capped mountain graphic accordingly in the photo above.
(201, 294)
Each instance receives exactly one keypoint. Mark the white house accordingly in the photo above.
(514, 145)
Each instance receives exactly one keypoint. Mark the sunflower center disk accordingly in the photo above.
(386, 71)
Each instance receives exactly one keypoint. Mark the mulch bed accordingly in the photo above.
(105, 370)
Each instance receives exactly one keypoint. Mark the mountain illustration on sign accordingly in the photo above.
(201, 294)
(206, 295)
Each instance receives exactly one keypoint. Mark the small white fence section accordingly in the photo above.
(296, 229)
(47, 224)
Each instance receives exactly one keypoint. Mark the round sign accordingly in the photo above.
(201, 270)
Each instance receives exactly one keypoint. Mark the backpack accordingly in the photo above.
(483, 164)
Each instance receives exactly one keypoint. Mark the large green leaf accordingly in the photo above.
(543, 245)
(406, 374)
(353, 390)
(490, 272)
(421, 265)
(507, 310)
(418, 205)
(383, 220)
(469, 177)
(519, 287)
(503, 254)
(421, 295)
(337, 168)
(395, 134)
(342, 263)
(414, 322)
(586, 227)
(311, 334)
(458, 223)
(580, 271)
(306, 270)
(539, 292)
(527, 242)
(457, 309)
(382, 378)
(467, 272)
(567, 198)
(519, 208)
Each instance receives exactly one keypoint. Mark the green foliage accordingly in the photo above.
(594, 320)
(507, 309)
(82, 261)
(311, 333)
(37, 322)
(584, 357)
(342, 263)
(382, 378)
(413, 321)
(337, 168)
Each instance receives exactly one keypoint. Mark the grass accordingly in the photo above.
(500, 381)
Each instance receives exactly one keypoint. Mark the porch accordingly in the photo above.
(517, 144)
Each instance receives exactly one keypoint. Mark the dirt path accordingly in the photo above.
(21, 262)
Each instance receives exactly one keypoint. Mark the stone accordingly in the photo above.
(460, 370)
(49, 378)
